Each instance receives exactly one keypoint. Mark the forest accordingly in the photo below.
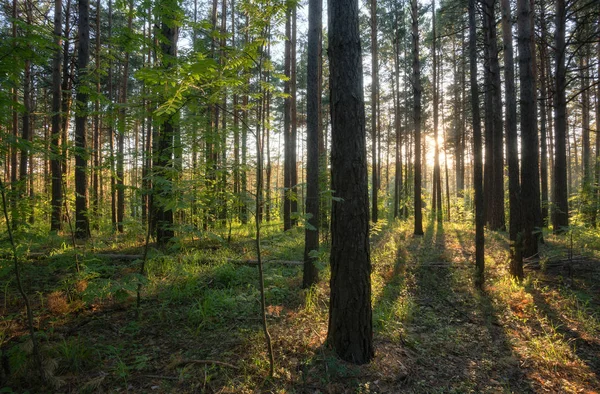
(286, 196)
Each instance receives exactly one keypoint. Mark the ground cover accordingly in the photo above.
(198, 327)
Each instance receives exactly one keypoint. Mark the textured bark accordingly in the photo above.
(82, 226)
(560, 214)
(15, 128)
(96, 125)
(494, 146)
(55, 165)
(294, 124)
(374, 101)
(529, 151)
(287, 128)
(313, 125)
(544, 109)
(585, 123)
(121, 133)
(111, 131)
(512, 148)
(350, 315)
(597, 166)
(398, 190)
(416, 68)
(436, 205)
(477, 165)
(164, 153)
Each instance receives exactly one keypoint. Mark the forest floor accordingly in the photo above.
(198, 327)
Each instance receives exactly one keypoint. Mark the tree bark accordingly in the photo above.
(416, 68)
(529, 151)
(121, 136)
(56, 169)
(478, 160)
(512, 148)
(494, 148)
(82, 226)
(560, 214)
(350, 315)
(287, 127)
(313, 125)
(374, 102)
(436, 205)
(164, 154)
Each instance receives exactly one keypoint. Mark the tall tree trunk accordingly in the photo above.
(287, 127)
(597, 166)
(15, 130)
(416, 67)
(350, 315)
(294, 123)
(494, 148)
(560, 214)
(374, 102)
(82, 227)
(68, 73)
(398, 191)
(584, 75)
(111, 130)
(529, 151)
(224, 131)
(244, 138)
(436, 205)
(96, 133)
(56, 169)
(25, 129)
(164, 155)
(313, 125)
(477, 168)
(122, 127)
(512, 149)
(544, 109)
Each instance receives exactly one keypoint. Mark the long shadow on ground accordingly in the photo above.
(454, 336)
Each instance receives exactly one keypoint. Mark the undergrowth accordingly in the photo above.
(199, 329)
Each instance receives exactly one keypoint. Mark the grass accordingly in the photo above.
(434, 333)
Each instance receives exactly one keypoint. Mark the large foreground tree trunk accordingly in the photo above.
(374, 100)
(82, 226)
(478, 160)
(560, 213)
(313, 124)
(56, 169)
(350, 316)
(512, 149)
(164, 155)
(418, 230)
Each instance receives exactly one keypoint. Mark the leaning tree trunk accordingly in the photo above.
(350, 316)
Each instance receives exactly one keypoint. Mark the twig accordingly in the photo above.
(36, 352)
(142, 270)
(214, 362)
(161, 377)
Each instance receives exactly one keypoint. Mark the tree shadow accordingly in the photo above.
(458, 343)
(588, 351)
